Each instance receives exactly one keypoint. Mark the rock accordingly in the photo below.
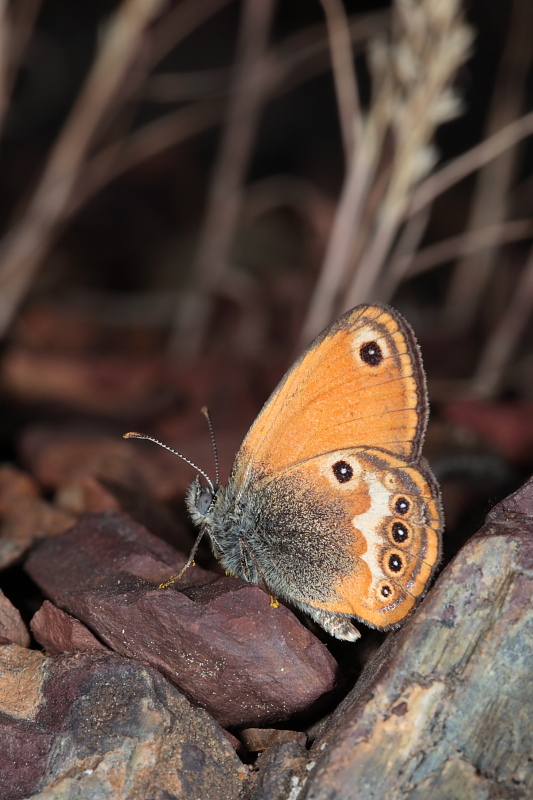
(15, 483)
(96, 726)
(58, 632)
(281, 772)
(218, 639)
(24, 516)
(12, 628)
(444, 711)
(93, 496)
(257, 740)
(104, 384)
(61, 457)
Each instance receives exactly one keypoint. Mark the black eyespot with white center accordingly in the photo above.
(402, 505)
(386, 591)
(371, 354)
(400, 533)
(395, 563)
(342, 471)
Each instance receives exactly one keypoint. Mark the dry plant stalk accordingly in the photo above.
(73, 171)
(77, 167)
(226, 196)
(23, 247)
(411, 76)
(491, 202)
(505, 335)
(16, 27)
(346, 90)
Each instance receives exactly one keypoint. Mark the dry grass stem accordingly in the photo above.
(146, 142)
(300, 57)
(24, 246)
(346, 90)
(225, 196)
(490, 203)
(411, 76)
(178, 24)
(17, 22)
(4, 59)
(505, 335)
(466, 243)
(403, 254)
(464, 165)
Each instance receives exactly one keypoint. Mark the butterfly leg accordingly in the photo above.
(336, 625)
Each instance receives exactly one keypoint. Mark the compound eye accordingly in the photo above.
(203, 501)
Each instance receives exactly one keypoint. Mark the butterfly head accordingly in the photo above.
(200, 501)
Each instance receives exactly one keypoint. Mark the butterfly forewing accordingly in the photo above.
(360, 383)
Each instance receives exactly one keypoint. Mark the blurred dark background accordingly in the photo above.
(133, 290)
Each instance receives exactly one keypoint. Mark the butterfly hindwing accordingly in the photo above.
(355, 532)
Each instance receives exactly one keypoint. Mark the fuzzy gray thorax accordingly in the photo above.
(230, 520)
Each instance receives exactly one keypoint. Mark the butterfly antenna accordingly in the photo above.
(205, 412)
(135, 435)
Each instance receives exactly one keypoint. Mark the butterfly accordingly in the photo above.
(330, 505)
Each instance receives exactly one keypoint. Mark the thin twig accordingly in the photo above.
(146, 142)
(469, 162)
(178, 24)
(505, 335)
(456, 246)
(24, 15)
(23, 248)
(343, 74)
(403, 255)
(4, 59)
(471, 274)
(295, 60)
(225, 193)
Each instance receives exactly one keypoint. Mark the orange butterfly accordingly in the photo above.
(329, 504)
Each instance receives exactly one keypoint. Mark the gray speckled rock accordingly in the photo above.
(445, 710)
(100, 727)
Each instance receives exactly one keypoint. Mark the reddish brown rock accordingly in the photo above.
(15, 483)
(444, 711)
(24, 516)
(95, 384)
(93, 496)
(95, 725)
(12, 628)
(87, 496)
(505, 427)
(217, 639)
(58, 632)
(62, 457)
